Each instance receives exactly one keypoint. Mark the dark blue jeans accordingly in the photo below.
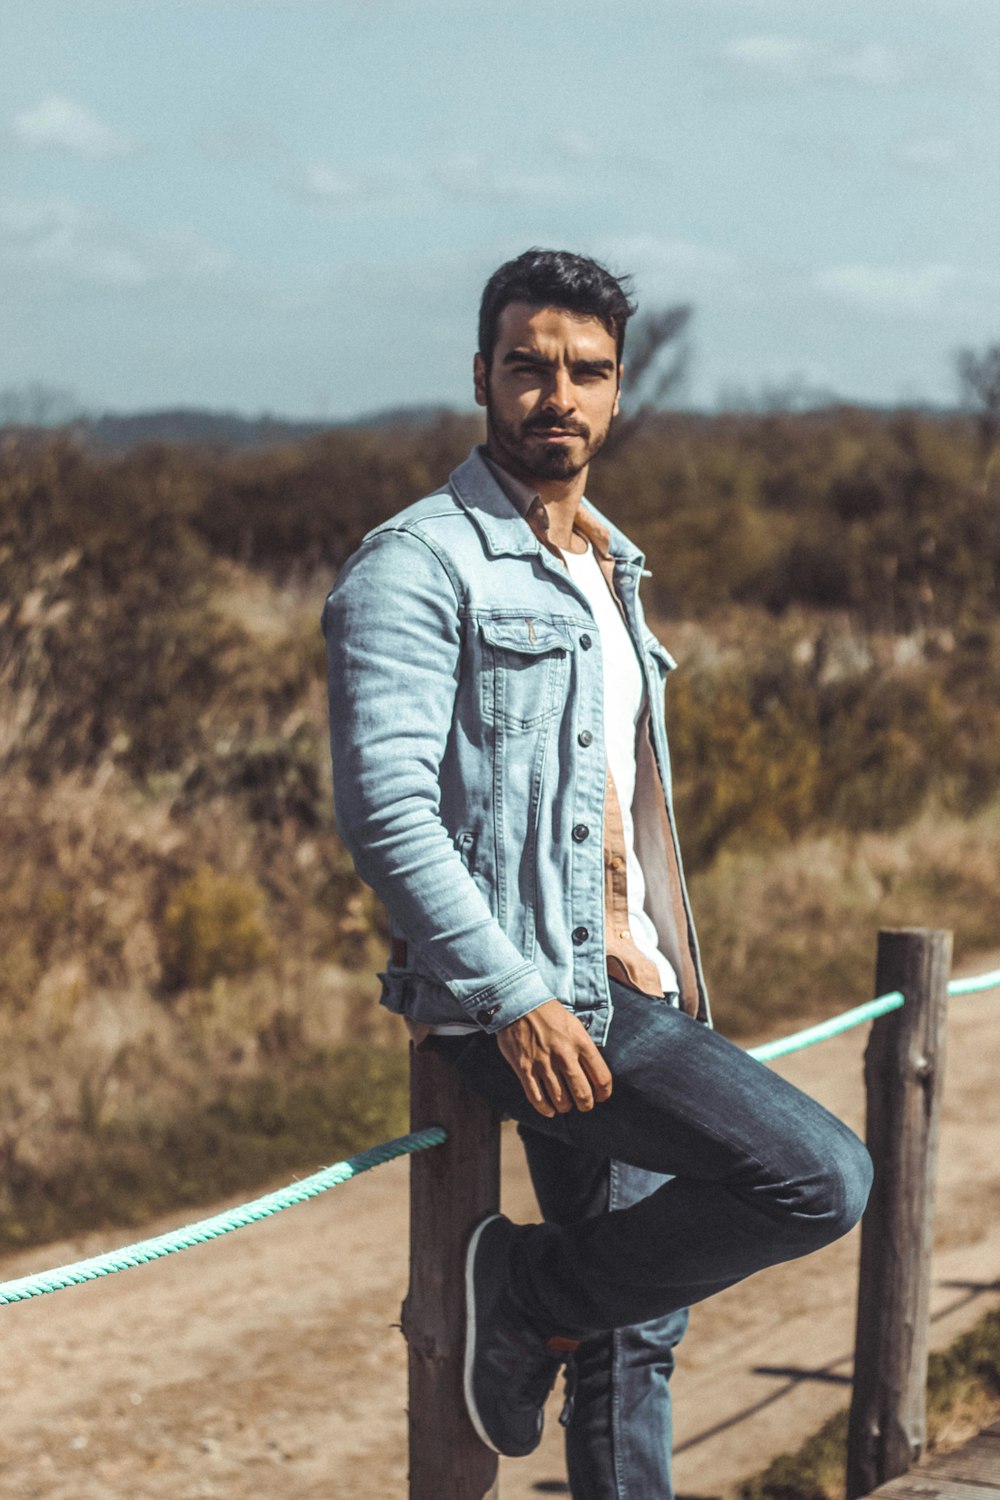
(618, 1441)
(703, 1167)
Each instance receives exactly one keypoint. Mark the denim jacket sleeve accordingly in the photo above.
(393, 630)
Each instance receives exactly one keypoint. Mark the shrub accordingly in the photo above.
(108, 644)
(308, 1110)
(962, 1381)
(213, 927)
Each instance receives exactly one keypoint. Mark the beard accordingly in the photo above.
(541, 461)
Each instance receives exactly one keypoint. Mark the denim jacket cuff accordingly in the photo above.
(508, 1000)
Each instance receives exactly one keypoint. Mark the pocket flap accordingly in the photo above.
(527, 634)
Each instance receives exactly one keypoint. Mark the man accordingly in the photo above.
(502, 780)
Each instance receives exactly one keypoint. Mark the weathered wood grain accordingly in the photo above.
(904, 1076)
(452, 1188)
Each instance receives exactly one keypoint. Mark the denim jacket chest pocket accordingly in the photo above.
(524, 668)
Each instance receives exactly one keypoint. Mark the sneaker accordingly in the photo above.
(509, 1370)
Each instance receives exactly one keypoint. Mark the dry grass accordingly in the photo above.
(115, 1056)
(140, 1093)
(963, 1396)
(187, 959)
(789, 932)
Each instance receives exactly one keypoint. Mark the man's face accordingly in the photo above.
(551, 391)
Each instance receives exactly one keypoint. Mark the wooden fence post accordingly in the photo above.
(452, 1187)
(904, 1077)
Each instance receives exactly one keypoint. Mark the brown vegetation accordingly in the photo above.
(185, 951)
(963, 1396)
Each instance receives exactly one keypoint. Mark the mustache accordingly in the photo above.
(542, 424)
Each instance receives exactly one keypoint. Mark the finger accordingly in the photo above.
(579, 1087)
(599, 1074)
(554, 1089)
(530, 1086)
(535, 1095)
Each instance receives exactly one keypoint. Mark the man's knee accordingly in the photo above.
(838, 1188)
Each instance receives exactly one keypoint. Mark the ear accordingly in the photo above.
(479, 379)
(618, 392)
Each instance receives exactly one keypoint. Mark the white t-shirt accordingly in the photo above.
(624, 700)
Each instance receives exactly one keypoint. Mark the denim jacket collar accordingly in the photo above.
(504, 530)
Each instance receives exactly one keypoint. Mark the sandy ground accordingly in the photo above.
(269, 1364)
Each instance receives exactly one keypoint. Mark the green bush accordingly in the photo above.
(889, 515)
(302, 1115)
(213, 927)
(108, 644)
(971, 1364)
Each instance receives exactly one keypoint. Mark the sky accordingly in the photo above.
(291, 207)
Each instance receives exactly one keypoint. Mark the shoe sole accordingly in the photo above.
(470, 1333)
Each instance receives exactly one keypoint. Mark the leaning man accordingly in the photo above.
(502, 781)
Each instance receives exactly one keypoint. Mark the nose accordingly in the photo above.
(559, 397)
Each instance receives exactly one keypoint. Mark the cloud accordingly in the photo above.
(58, 235)
(579, 148)
(255, 147)
(687, 268)
(895, 290)
(66, 126)
(927, 153)
(473, 175)
(415, 182)
(874, 65)
(786, 56)
(797, 60)
(64, 239)
(321, 181)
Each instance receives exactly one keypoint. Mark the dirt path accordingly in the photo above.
(267, 1364)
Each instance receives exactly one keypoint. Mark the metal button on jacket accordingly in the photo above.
(585, 738)
(580, 832)
(586, 642)
(580, 935)
(485, 1016)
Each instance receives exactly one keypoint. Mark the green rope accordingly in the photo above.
(419, 1140)
(210, 1229)
(975, 986)
(870, 1011)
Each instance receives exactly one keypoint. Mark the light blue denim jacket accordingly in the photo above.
(466, 685)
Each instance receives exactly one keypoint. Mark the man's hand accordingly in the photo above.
(558, 1065)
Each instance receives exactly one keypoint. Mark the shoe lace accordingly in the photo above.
(571, 1377)
(538, 1379)
(563, 1351)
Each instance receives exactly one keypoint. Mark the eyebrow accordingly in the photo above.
(529, 357)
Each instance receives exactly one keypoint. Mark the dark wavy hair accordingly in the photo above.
(555, 278)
